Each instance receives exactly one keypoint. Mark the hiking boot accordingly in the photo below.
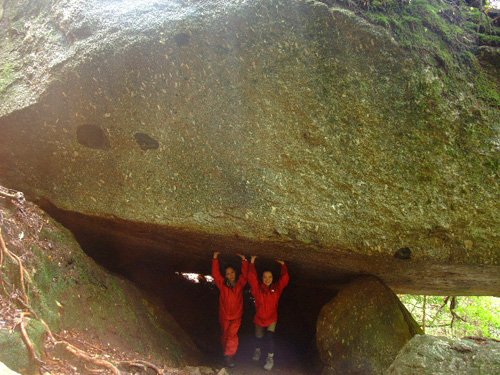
(256, 354)
(269, 361)
(228, 360)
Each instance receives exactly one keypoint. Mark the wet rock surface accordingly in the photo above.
(285, 127)
(363, 328)
(426, 354)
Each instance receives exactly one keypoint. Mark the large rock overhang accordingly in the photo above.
(281, 127)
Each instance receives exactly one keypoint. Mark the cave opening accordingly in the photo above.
(180, 283)
(193, 302)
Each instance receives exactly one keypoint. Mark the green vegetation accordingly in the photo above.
(429, 26)
(489, 40)
(446, 37)
(455, 316)
(444, 34)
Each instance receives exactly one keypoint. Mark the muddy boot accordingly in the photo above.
(229, 361)
(269, 361)
(256, 355)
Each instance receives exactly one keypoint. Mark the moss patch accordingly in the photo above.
(13, 351)
(75, 293)
(72, 293)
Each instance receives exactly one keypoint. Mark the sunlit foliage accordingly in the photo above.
(455, 316)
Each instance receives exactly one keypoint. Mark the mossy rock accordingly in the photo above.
(13, 352)
(70, 292)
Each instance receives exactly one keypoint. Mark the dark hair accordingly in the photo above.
(229, 266)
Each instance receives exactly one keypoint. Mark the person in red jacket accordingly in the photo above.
(266, 295)
(230, 304)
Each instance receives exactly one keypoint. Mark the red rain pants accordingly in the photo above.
(229, 337)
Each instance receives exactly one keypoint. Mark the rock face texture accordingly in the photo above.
(76, 297)
(440, 355)
(285, 128)
(363, 328)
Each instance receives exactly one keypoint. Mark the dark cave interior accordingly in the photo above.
(161, 275)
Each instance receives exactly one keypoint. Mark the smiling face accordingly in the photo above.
(230, 274)
(267, 278)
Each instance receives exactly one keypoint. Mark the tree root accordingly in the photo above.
(23, 300)
(141, 364)
(9, 193)
(87, 358)
(29, 345)
(22, 272)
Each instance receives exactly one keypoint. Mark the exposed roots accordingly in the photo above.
(86, 357)
(22, 272)
(9, 193)
(141, 364)
(21, 298)
(29, 345)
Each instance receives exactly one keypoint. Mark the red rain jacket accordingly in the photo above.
(230, 298)
(267, 297)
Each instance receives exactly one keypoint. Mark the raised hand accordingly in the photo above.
(280, 261)
(242, 256)
(252, 258)
(216, 254)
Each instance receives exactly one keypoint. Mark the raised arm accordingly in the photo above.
(284, 277)
(218, 279)
(244, 270)
(252, 275)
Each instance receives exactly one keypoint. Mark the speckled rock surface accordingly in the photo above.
(363, 328)
(285, 128)
(426, 355)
